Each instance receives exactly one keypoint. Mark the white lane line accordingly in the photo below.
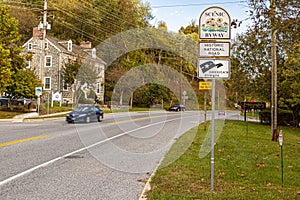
(79, 150)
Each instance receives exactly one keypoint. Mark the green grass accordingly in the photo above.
(9, 114)
(247, 166)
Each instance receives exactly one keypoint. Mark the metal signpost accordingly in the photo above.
(280, 140)
(205, 86)
(214, 54)
(38, 93)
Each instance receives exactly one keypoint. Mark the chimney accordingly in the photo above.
(86, 44)
(37, 33)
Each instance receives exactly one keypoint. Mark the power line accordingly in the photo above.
(196, 4)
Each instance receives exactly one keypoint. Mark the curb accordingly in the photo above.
(34, 116)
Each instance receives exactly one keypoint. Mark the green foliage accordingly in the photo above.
(24, 84)
(14, 79)
(251, 55)
(152, 94)
(101, 20)
(290, 83)
(70, 70)
(9, 52)
(284, 117)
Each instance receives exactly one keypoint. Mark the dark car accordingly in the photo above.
(177, 107)
(4, 101)
(85, 114)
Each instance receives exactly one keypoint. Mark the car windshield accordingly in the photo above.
(83, 109)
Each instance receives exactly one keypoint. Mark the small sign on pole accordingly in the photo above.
(280, 140)
(38, 91)
(205, 85)
(214, 49)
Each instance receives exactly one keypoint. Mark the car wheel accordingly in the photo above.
(87, 119)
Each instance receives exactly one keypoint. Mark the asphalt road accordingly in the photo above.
(108, 160)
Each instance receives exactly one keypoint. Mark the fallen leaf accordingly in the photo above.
(241, 175)
(262, 165)
(242, 188)
(222, 173)
(280, 191)
(238, 166)
(269, 184)
(142, 180)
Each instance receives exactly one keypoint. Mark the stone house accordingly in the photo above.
(57, 54)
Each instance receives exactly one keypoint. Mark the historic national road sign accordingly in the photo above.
(214, 49)
(213, 68)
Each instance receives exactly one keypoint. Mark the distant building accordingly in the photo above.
(57, 54)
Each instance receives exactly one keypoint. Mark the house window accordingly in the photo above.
(46, 45)
(27, 64)
(48, 61)
(47, 83)
(29, 46)
(98, 88)
(70, 45)
(65, 86)
(94, 53)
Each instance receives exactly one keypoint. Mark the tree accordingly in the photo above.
(24, 84)
(12, 61)
(152, 94)
(252, 49)
(70, 70)
(290, 84)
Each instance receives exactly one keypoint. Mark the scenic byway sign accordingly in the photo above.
(213, 68)
(214, 23)
(214, 49)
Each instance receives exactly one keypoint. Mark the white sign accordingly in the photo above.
(214, 49)
(38, 91)
(213, 68)
(56, 96)
(280, 138)
(214, 23)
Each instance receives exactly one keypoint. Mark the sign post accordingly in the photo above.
(280, 140)
(205, 85)
(38, 93)
(214, 54)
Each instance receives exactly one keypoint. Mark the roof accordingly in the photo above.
(62, 46)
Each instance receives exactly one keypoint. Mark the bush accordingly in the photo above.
(284, 117)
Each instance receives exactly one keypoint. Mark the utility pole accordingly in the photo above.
(274, 74)
(181, 49)
(44, 41)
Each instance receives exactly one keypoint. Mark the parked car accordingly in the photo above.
(20, 102)
(177, 107)
(4, 101)
(85, 114)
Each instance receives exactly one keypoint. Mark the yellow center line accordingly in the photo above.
(22, 140)
(141, 118)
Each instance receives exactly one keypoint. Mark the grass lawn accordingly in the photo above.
(247, 166)
(9, 114)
